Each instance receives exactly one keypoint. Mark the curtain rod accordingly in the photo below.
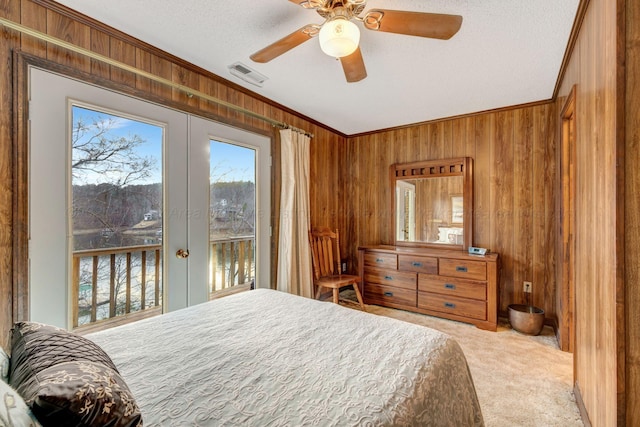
(189, 91)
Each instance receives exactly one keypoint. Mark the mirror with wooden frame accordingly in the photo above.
(432, 203)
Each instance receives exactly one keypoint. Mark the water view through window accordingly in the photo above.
(232, 213)
(117, 205)
(117, 216)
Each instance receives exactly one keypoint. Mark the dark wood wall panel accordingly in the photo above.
(592, 69)
(502, 209)
(511, 164)
(7, 40)
(35, 17)
(523, 202)
(483, 135)
(545, 211)
(631, 228)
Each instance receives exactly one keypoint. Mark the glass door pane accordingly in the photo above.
(229, 209)
(117, 211)
(107, 204)
(232, 216)
(119, 194)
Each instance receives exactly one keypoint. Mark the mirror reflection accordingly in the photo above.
(432, 202)
(430, 210)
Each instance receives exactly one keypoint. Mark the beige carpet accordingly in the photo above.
(520, 380)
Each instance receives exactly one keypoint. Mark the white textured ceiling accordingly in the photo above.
(507, 52)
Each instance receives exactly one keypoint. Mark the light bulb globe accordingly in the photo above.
(339, 37)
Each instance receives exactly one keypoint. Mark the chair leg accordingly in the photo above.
(336, 295)
(318, 291)
(359, 296)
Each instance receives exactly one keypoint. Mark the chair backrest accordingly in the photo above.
(325, 252)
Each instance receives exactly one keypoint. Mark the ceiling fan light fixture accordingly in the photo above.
(339, 37)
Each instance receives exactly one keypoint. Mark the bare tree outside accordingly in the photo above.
(117, 202)
(112, 176)
(97, 152)
(117, 214)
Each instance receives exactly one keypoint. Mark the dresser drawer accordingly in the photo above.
(419, 264)
(386, 295)
(449, 304)
(462, 268)
(381, 260)
(400, 279)
(452, 286)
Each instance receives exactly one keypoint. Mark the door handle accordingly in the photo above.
(182, 253)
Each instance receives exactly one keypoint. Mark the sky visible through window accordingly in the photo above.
(228, 162)
(120, 127)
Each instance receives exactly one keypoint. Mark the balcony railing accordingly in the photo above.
(117, 283)
(231, 262)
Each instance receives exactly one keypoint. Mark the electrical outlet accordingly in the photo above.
(527, 287)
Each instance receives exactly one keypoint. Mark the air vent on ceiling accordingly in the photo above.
(247, 74)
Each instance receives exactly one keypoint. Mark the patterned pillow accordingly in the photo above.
(4, 366)
(68, 380)
(35, 347)
(82, 393)
(13, 411)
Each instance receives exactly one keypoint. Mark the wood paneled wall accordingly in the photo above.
(48, 17)
(631, 230)
(593, 69)
(514, 172)
(514, 154)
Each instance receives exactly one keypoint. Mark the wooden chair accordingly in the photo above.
(325, 256)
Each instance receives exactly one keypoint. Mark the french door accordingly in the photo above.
(122, 204)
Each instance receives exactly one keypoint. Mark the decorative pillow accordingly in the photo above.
(36, 347)
(13, 411)
(82, 393)
(4, 366)
(68, 380)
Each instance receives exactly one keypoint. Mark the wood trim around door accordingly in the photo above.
(566, 225)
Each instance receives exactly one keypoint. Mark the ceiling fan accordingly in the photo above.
(339, 35)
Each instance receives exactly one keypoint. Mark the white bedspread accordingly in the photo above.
(267, 358)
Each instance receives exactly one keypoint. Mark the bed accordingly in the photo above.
(268, 358)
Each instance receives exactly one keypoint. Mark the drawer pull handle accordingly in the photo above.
(388, 278)
(379, 260)
(449, 305)
(388, 294)
(449, 286)
(461, 269)
(417, 264)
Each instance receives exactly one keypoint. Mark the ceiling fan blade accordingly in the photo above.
(432, 25)
(285, 44)
(353, 66)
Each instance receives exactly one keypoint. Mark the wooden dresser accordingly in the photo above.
(445, 283)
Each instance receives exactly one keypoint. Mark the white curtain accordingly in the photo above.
(294, 257)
